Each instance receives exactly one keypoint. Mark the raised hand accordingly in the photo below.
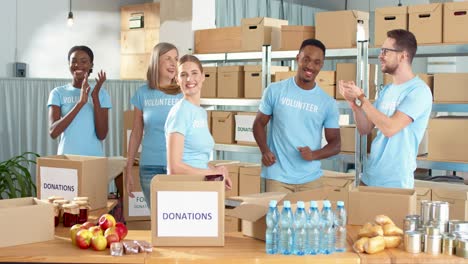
(99, 81)
(84, 90)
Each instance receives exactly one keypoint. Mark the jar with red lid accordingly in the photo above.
(70, 214)
(83, 211)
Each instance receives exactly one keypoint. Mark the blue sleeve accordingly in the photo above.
(178, 122)
(333, 116)
(137, 99)
(54, 98)
(417, 102)
(266, 104)
(104, 98)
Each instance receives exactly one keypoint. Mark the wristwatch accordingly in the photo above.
(359, 100)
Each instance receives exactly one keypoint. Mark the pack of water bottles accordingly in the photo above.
(307, 231)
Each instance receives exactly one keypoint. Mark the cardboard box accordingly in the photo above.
(134, 66)
(389, 18)
(210, 83)
(244, 128)
(233, 169)
(293, 36)
(257, 31)
(138, 225)
(450, 87)
(70, 176)
(19, 228)
(187, 211)
(347, 72)
(447, 139)
(231, 224)
(253, 87)
(457, 197)
(253, 208)
(249, 179)
(348, 138)
(326, 81)
(223, 126)
(424, 193)
(425, 22)
(230, 82)
(135, 209)
(280, 76)
(455, 22)
(127, 131)
(422, 149)
(427, 78)
(367, 202)
(218, 40)
(337, 29)
(339, 183)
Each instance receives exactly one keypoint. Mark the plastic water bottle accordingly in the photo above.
(313, 229)
(340, 227)
(271, 234)
(286, 229)
(300, 230)
(327, 241)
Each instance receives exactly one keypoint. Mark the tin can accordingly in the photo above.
(426, 212)
(412, 240)
(442, 226)
(460, 226)
(451, 225)
(431, 230)
(448, 245)
(440, 211)
(411, 223)
(432, 244)
(462, 248)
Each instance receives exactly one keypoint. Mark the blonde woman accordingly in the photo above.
(152, 103)
(189, 142)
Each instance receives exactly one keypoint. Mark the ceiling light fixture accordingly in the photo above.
(70, 16)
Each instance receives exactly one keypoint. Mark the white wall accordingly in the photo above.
(44, 37)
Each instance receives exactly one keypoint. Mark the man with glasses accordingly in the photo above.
(400, 114)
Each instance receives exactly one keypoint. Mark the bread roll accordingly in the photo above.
(392, 241)
(358, 246)
(370, 230)
(375, 245)
(392, 230)
(383, 220)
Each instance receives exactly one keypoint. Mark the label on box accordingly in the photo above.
(244, 128)
(137, 206)
(187, 214)
(59, 181)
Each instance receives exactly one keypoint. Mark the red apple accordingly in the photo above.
(96, 230)
(73, 230)
(83, 238)
(88, 225)
(106, 221)
(99, 242)
(111, 237)
(121, 230)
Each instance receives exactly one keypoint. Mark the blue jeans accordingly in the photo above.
(146, 175)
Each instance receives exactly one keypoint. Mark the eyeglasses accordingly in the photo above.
(383, 51)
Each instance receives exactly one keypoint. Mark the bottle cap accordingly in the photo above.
(313, 204)
(340, 203)
(300, 204)
(287, 204)
(273, 203)
(326, 203)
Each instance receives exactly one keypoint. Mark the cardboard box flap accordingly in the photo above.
(337, 174)
(424, 9)
(298, 28)
(249, 212)
(384, 190)
(220, 116)
(360, 15)
(72, 157)
(177, 178)
(393, 10)
(422, 191)
(450, 192)
(318, 194)
(254, 22)
(456, 6)
(335, 183)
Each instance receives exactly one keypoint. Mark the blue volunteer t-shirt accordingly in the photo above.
(79, 138)
(298, 117)
(155, 106)
(191, 121)
(392, 161)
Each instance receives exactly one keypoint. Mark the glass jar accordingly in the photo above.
(51, 199)
(70, 214)
(60, 204)
(83, 211)
(56, 214)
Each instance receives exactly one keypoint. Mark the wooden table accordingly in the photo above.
(237, 249)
